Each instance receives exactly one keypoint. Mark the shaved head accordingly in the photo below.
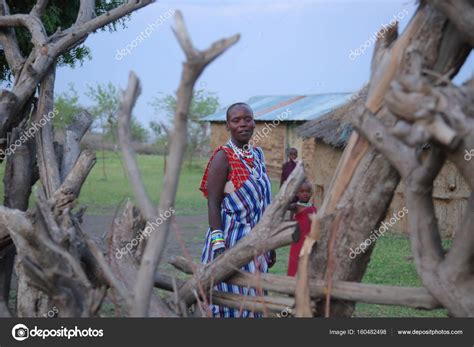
(236, 105)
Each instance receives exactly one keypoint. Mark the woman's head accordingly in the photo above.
(240, 123)
(305, 191)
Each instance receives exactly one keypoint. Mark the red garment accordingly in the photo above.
(286, 170)
(238, 172)
(304, 223)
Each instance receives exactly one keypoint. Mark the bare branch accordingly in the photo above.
(199, 60)
(388, 62)
(108, 274)
(47, 163)
(70, 188)
(461, 13)
(86, 12)
(9, 44)
(72, 139)
(182, 35)
(127, 227)
(129, 97)
(301, 291)
(39, 8)
(400, 155)
(74, 35)
(13, 55)
(32, 23)
(344, 290)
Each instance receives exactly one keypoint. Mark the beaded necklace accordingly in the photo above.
(305, 204)
(240, 152)
(256, 171)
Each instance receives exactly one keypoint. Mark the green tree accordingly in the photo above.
(138, 131)
(203, 104)
(58, 14)
(67, 105)
(106, 101)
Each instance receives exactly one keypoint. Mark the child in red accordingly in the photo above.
(303, 208)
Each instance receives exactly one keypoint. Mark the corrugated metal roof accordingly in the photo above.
(288, 108)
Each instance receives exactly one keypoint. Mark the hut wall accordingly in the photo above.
(450, 194)
(272, 141)
(307, 154)
(219, 135)
(322, 169)
(450, 190)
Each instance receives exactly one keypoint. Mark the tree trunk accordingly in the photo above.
(20, 175)
(365, 181)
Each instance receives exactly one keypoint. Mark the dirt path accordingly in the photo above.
(187, 237)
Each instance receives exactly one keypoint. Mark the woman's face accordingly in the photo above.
(241, 123)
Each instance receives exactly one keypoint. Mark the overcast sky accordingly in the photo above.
(286, 47)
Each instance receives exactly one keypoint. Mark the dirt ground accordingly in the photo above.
(187, 236)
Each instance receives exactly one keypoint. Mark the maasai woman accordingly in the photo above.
(238, 190)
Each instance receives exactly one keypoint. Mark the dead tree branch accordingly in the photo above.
(418, 104)
(39, 8)
(367, 293)
(460, 12)
(363, 174)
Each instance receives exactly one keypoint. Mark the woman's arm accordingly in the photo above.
(216, 180)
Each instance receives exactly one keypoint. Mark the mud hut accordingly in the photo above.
(277, 118)
(329, 134)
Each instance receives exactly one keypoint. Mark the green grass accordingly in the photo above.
(107, 191)
(107, 185)
(389, 265)
(102, 193)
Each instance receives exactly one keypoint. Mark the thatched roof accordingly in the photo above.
(334, 127)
